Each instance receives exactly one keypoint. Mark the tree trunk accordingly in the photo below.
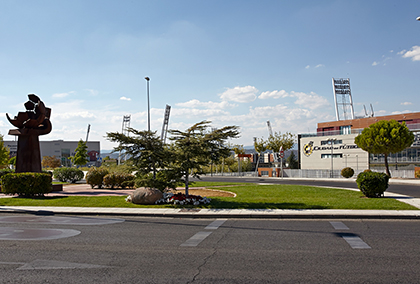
(186, 183)
(386, 165)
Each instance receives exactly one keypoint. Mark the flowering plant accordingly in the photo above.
(182, 199)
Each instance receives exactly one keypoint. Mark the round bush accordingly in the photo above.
(95, 176)
(347, 172)
(121, 180)
(417, 174)
(372, 184)
(68, 174)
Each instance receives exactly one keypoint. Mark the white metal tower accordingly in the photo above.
(342, 98)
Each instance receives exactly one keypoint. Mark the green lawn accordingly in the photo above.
(249, 196)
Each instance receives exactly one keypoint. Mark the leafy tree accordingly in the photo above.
(385, 137)
(278, 140)
(195, 147)
(50, 162)
(238, 149)
(260, 146)
(12, 161)
(292, 161)
(4, 154)
(80, 157)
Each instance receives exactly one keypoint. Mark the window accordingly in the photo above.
(328, 142)
(345, 129)
(328, 156)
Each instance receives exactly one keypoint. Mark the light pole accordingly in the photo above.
(357, 164)
(148, 104)
(332, 155)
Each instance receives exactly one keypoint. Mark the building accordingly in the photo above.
(61, 150)
(315, 151)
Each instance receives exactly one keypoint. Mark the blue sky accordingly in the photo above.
(231, 62)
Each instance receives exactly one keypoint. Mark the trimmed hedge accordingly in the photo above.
(68, 174)
(372, 184)
(95, 176)
(347, 172)
(121, 180)
(27, 184)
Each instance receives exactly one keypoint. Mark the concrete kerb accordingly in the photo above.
(219, 213)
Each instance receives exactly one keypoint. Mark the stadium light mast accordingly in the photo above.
(148, 104)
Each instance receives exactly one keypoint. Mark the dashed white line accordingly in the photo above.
(196, 239)
(339, 226)
(355, 242)
(215, 224)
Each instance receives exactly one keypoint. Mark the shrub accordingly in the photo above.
(164, 179)
(27, 184)
(68, 174)
(347, 172)
(372, 184)
(95, 176)
(417, 174)
(121, 180)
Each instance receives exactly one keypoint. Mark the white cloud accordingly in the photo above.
(61, 95)
(414, 53)
(197, 104)
(320, 65)
(273, 94)
(307, 66)
(240, 94)
(311, 101)
(375, 63)
(125, 99)
(406, 103)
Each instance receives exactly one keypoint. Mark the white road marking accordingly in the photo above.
(196, 239)
(355, 242)
(339, 226)
(215, 224)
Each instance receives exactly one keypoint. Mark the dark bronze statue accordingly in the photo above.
(32, 123)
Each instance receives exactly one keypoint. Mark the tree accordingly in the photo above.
(195, 147)
(292, 161)
(278, 140)
(239, 150)
(143, 148)
(260, 146)
(385, 137)
(80, 157)
(4, 154)
(50, 162)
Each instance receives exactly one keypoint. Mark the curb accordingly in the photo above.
(219, 213)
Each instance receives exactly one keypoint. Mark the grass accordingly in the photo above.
(249, 196)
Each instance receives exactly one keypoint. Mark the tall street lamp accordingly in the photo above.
(148, 104)
(332, 140)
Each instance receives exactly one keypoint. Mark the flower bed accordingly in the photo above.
(182, 199)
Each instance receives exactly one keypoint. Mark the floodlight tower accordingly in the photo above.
(343, 99)
(124, 130)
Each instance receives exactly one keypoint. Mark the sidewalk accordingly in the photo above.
(85, 190)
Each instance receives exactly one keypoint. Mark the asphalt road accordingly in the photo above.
(164, 250)
(405, 189)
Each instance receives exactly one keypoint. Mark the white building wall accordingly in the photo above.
(316, 153)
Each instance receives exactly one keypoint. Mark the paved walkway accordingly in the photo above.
(85, 190)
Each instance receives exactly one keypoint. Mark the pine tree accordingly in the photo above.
(80, 157)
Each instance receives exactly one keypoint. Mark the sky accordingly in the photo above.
(230, 62)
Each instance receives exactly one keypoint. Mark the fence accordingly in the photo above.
(299, 173)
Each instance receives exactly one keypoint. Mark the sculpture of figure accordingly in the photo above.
(32, 123)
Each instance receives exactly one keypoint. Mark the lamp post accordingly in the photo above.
(357, 164)
(148, 104)
(332, 155)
